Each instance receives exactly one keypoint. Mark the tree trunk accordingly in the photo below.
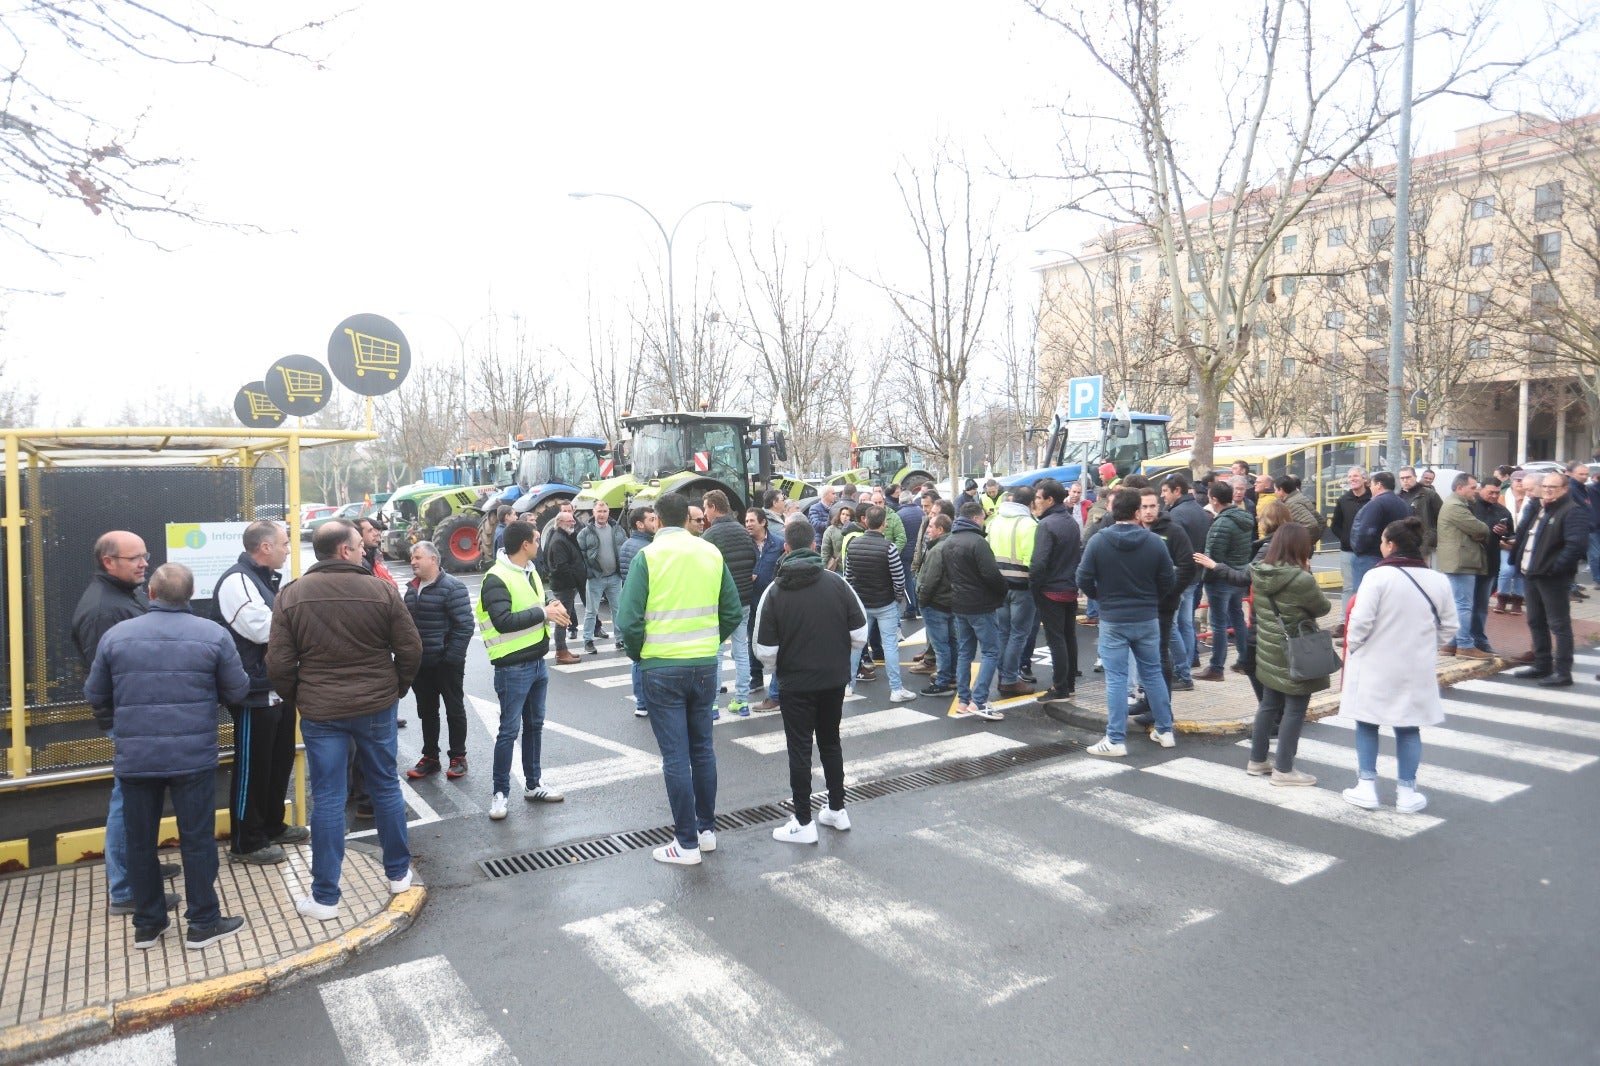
(953, 445)
(1205, 426)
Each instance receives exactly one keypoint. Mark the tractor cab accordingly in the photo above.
(690, 453)
(882, 465)
(559, 461)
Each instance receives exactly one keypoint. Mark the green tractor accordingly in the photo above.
(450, 515)
(882, 465)
(690, 453)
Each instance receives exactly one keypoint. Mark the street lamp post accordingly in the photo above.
(668, 237)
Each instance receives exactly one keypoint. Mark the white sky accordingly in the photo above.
(428, 165)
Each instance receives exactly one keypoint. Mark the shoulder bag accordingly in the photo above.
(1425, 596)
(1310, 650)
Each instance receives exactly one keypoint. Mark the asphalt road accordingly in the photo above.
(1160, 908)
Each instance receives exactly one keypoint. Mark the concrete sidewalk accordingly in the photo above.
(72, 975)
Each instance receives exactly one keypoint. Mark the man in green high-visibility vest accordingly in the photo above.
(679, 603)
(515, 622)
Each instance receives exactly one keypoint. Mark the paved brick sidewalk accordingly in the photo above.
(71, 973)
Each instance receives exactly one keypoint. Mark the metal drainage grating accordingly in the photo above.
(619, 843)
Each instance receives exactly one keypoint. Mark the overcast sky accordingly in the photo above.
(426, 168)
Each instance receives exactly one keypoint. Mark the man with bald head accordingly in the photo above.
(115, 594)
(1552, 539)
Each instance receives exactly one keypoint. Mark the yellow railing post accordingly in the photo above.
(293, 503)
(20, 758)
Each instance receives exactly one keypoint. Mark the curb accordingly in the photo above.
(1322, 706)
(55, 1035)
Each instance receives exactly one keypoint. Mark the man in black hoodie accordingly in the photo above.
(977, 589)
(1181, 551)
(809, 627)
(1053, 578)
(1196, 522)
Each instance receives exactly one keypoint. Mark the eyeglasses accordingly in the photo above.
(133, 558)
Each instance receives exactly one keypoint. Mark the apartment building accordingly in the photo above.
(1503, 302)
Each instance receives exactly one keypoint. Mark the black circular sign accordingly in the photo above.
(255, 408)
(369, 355)
(298, 385)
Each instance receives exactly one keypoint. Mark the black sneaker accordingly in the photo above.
(1029, 678)
(1051, 694)
(939, 690)
(130, 906)
(1180, 685)
(145, 939)
(600, 632)
(200, 936)
(266, 856)
(169, 870)
(365, 811)
(588, 646)
(618, 645)
(293, 834)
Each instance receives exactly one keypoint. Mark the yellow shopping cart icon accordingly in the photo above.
(261, 405)
(301, 383)
(374, 353)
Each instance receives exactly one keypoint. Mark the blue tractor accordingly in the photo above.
(1079, 445)
(550, 471)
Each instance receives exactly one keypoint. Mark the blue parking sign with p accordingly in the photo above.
(1083, 397)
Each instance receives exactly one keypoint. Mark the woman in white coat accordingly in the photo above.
(1402, 614)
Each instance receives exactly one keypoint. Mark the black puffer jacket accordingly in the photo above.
(104, 603)
(1228, 540)
(443, 614)
(564, 561)
(1057, 547)
(738, 550)
(1195, 520)
(1181, 551)
(873, 568)
(976, 584)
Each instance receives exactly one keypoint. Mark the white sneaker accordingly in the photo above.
(497, 809)
(708, 840)
(795, 833)
(540, 794)
(397, 887)
(1108, 749)
(676, 856)
(1409, 800)
(640, 712)
(322, 912)
(1364, 795)
(902, 695)
(838, 819)
(960, 710)
(1166, 740)
(987, 713)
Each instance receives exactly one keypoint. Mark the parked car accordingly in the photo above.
(349, 512)
(310, 515)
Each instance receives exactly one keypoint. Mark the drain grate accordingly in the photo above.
(528, 862)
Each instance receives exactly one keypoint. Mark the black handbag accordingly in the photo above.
(1311, 653)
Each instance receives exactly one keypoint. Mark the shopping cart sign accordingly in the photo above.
(702, 462)
(369, 355)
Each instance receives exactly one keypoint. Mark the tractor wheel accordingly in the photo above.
(542, 517)
(914, 481)
(458, 541)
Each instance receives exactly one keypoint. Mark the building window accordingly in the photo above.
(1135, 272)
(1377, 323)
(1194, 269)
(1334, 281)
(1482, 206)
(1335, 320)
(1541, 349)
(1108, 277)
(1377, 279)
(1417, 265)
(1481, 255)
(1288, 325)
(1379, 230)
(1108, 313)
(1478, 302)
(1197, 300)
(1288, 243)
(1225, 414)
(1545, 297)
(1166, 303)
(1259, 330)
(1136, 310)
(1261, 368)
(1288, 368)
(1290, 285)
(1108, 350)
(1478, 348)
(1547, 251)
(1547, 201)
(1336, 237)
(1192, 411)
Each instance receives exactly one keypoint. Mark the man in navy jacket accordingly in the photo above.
(442, 609)
(159, 680)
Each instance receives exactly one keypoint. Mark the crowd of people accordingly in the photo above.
(810, 600)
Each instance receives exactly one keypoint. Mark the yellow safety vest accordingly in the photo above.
(681, 611)
(526, 591)
(990, 504)
(844, 547)
(1011, 538)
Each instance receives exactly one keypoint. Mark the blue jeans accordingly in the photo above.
(327, 754)
(1594, 557)
(1141, 641)
(912, 607)
(939, 626)
(1091, 609)
(975, 633)
(1183, 639)
(1481, 586)
(118, 887)
(609, 586)
(1407, 752)
(521, 690)
(1347, 577)
(1510, 581)
(1461, 592)
(1015, 622)
(1226, 605)
(638, 689)
(680, 699)
(1359, 565)
(741, 659)
(193, 802)
(888, 619)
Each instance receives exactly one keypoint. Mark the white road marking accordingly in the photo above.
(1516, 751)
(971, 746)
(1275, 860)
(158, 1047)
(626, 678)
(854, 726)
(909, 936)
(1044, 780)
(1315, 802)
(418, 1011)
(1433, 778)
(996, 849)
(1519, 693)
(417, 803)
(710, 1004)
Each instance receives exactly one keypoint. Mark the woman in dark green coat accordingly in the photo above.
(1285, 597)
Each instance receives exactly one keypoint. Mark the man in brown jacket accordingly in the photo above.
(344, 650)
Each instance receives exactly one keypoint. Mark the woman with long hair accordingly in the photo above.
(833, 537)
(1402, 614)
(1272, 516)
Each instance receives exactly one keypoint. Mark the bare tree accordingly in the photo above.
(616, 363)
(419, 424)
(955, 240)
(1300, 95)
(54, 146)
(18, 402)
